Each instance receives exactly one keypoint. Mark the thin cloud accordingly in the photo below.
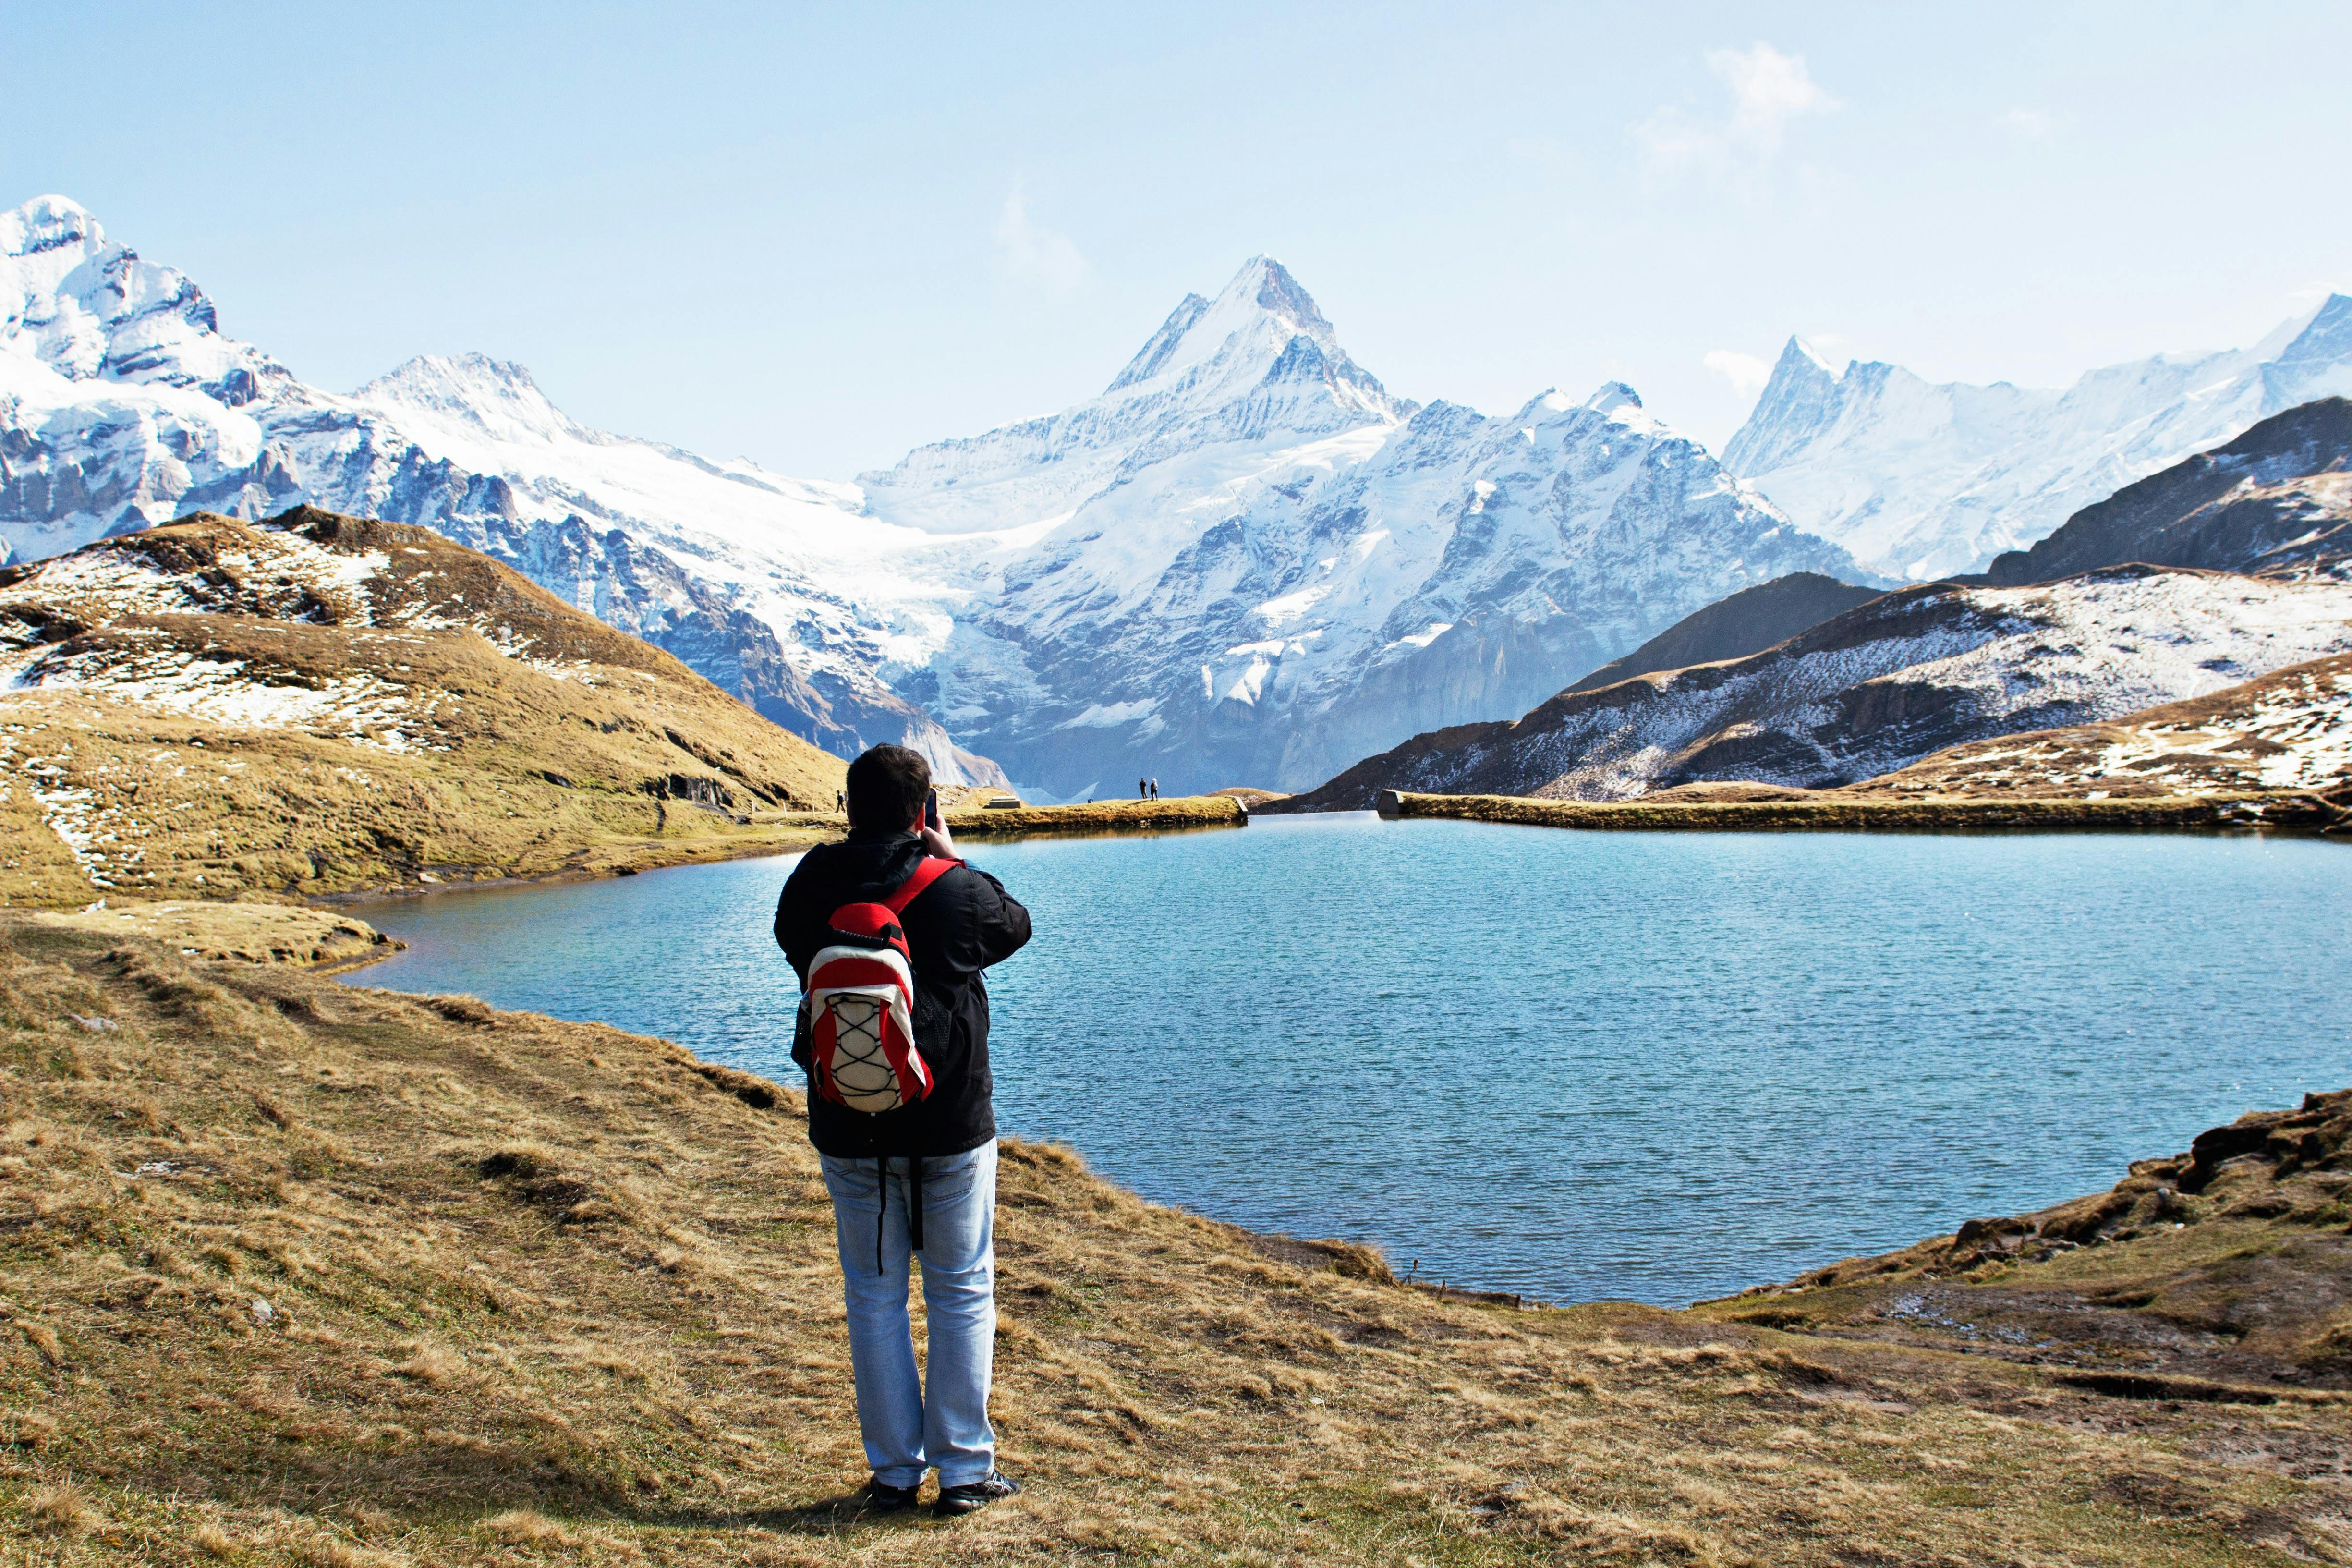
(1029, 252)
(1747, 374)
(2023, 124)
(1769, 92)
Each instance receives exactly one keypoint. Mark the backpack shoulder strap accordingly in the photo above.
(929, 871)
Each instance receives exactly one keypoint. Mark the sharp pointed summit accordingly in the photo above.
(1257, 361)
(1263, 305)
(1262, 326)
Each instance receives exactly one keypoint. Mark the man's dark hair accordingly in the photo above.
(889, 786)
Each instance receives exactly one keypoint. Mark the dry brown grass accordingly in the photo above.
(542, 1292)
(60, 1509)
(1103, 817)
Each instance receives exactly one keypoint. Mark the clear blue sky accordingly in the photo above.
(817, 237)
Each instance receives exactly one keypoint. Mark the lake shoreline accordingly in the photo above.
(2291, 812)
(798, 834)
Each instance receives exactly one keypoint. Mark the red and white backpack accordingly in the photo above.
(858, 1012)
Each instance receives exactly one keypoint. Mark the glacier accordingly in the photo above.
(1246, 561)
(1922, 479)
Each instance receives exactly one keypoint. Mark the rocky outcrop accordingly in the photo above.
(2223, 1276)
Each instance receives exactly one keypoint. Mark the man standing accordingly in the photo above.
(921, 1179)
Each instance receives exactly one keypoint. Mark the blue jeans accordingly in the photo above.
(907, 1427)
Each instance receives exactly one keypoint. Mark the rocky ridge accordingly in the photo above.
(2276, 501)
(2288, 731)
(1747, 622)
(1882, 685)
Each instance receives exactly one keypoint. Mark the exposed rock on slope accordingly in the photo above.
(328, 703)
(2276, 501)
(1747, 622)
(1881, 686)
(1922, 481)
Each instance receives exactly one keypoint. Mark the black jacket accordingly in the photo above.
(955, 928)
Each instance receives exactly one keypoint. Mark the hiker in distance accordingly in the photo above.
(888, 932)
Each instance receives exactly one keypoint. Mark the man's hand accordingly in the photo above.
(936, 840)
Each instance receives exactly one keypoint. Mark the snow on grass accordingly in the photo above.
(119, 581)
(223, 691)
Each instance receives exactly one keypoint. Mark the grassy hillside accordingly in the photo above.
(332, 704)
(293, 1273)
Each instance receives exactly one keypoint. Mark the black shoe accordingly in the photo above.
(974, 1496)
(884, 1499)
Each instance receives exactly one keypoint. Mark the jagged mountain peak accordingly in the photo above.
(1611, 399)
(47, 222)
(1799, 358)
(1269, 285)
(88, 309)
(495, 396)
(1257, 368)
(1796, 402)
(1922, 479)
(1256, 317)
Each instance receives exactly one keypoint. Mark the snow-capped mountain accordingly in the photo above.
(1922, 481)
(1245, 561)
(122, 404)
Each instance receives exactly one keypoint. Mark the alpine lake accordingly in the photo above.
(1575, 1066)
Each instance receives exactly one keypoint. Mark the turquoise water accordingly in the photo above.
(1574, 1065)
